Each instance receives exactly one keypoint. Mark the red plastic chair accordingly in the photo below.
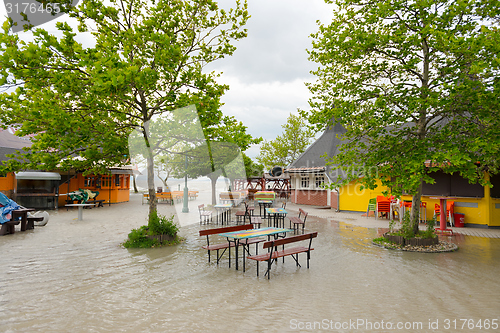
(423, 209)
(383, 206)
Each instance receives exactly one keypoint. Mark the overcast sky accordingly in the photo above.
(266, 74)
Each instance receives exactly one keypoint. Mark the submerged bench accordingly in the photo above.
(226, 245)
(274, 253)
(8, 227)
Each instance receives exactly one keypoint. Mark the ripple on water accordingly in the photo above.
(68, 278)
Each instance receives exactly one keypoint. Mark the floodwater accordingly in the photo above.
(73, 276)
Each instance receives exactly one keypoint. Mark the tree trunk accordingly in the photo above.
(151, 175)
(151, 183)
(415, 209)
(213, 180)
(135, 185)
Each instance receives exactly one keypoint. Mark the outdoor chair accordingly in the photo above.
(242, 214)
(372, 207)
(205, 215)
(383, 206)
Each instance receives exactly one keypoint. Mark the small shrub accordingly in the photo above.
(137, 238)
(430, 232)
(161, 225)
(157, 225)
(406, 228)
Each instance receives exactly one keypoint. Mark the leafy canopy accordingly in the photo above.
(288, 146)
(412, 82)
(147, 58)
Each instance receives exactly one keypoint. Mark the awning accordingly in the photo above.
(122, 172)
(38, 175)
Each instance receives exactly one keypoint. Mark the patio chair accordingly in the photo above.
(372, 206)
(205, 215)
(383, 206)
(243, 214)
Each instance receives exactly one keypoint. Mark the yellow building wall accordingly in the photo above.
(486, 214)
(353, 198)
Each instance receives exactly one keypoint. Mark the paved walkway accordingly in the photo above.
(370, 222)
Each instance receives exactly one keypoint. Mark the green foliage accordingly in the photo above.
(392, 223)
(406, 229)
(252, 169)
(137, 238)
(287, 147)
(147, 59)
(430, 231)
(412, 82)
(157, 225)
(161, 225)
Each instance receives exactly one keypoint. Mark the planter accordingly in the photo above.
(395, 239)
(162, 238)
(421, 241)
(400, 240)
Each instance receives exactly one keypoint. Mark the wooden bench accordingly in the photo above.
(232, 197)
(8, 227)
(97, 203)
(296, 221)
(226, 245)
(256, 221)
(274, 253)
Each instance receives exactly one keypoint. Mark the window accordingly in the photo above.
(118, 180)
(304, 181)
(106, 182)
(90, 181)
(319, 181)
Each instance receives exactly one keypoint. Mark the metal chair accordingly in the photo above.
(205, 215)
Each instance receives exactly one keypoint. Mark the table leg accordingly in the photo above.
(236, 245)
(24, 221)
(80, 213)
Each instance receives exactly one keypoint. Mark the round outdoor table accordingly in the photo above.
(80, 209)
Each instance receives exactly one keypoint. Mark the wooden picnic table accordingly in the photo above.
(237, 236)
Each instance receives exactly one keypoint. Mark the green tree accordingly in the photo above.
(147, 60)
(288, 146)
(220, 155)
(252, 169)
(413, 82)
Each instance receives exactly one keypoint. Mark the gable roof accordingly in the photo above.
(311, 160)
(9, 140)
(10, 143)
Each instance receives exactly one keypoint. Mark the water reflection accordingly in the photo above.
(71, 276)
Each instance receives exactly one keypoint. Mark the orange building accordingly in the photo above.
(43, 190)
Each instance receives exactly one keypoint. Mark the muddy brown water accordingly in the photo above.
(73, 276)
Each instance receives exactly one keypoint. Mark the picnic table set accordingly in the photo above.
(273, 237)
(12, 214)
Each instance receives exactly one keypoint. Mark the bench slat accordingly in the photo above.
(279, 254)
(225, 229)
(291, 239)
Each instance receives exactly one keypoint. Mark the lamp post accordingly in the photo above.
(185, 208)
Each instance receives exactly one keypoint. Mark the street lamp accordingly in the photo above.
(185, 208)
